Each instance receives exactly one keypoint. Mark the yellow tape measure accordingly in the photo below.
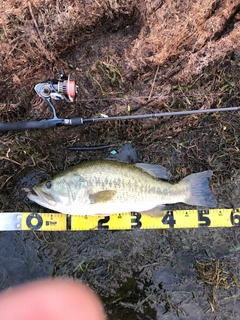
(122, 221)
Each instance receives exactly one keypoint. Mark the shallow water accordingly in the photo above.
(144, 274)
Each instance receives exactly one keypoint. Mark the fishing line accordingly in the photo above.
(162, 97)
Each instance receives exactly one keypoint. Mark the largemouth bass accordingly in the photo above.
(105, 187)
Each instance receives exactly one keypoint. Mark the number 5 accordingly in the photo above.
(205, 221)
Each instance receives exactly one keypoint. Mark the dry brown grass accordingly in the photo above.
(184, 36)
(189, 35)
(217, 274)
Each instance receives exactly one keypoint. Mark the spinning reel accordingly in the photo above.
(57, 89)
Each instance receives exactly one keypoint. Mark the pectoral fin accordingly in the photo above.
(155, 212)
(102, 196)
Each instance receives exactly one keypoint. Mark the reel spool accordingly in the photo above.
(68, 88)
(57, 89)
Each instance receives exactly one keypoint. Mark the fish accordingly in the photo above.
(105, 187)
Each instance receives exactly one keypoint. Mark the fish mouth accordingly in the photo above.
(41, 198)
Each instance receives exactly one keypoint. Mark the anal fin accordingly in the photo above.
(155, 212)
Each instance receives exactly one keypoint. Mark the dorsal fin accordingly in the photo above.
(155, 170)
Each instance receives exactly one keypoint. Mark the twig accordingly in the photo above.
(10, 52)
(8, 159)
(155, 76)
(44, 238)
(35, 22)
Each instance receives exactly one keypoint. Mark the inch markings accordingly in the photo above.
(168, 219)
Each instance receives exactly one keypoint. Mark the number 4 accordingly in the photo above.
(169, 219)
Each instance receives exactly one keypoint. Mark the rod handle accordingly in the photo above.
(25, 125)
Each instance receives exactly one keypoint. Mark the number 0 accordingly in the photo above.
(30, 218)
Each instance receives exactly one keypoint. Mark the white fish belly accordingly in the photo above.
(109, 208)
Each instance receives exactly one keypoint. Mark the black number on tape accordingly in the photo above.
(102, 221)
(203, 221)
(34, 226)
(235, 218)
(169, 219)
(135, 221)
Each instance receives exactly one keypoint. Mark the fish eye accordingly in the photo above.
(48, 184)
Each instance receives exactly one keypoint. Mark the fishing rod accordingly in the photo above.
(64, 89)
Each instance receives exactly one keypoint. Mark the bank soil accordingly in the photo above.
(128, 58)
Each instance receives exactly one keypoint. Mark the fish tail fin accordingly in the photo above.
(198, 190)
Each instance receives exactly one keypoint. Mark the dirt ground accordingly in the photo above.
(127, 57)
